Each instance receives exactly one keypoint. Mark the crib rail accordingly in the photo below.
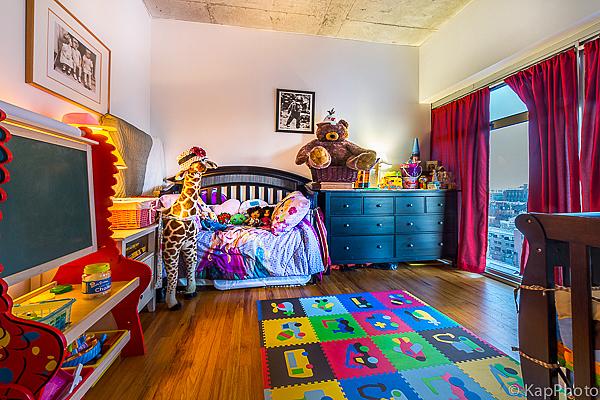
(567, 241)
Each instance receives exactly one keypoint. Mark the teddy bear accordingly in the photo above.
(331, 148)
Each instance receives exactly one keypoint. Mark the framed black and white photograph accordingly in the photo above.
(65, 58)
(295, 111)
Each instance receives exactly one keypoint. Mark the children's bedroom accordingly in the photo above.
(299, 199)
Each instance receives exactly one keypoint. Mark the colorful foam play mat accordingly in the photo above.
(387, 345)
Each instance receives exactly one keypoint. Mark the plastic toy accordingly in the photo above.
(297, 363)
(357, 356)
(407, 347)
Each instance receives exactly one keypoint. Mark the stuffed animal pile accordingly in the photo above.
(255, 213)
(331, 149)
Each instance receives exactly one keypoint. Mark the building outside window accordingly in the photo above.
(509, 164)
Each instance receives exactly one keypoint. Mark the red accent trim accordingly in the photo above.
(32, 352)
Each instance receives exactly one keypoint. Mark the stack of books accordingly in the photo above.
(332, 185)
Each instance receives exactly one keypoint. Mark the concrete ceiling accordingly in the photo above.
(403, 22)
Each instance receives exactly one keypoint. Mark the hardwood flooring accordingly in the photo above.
(210, 349)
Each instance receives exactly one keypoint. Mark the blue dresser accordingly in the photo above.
(381, 226)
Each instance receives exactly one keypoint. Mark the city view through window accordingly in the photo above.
(508, 183)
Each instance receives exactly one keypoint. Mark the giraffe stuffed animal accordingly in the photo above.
(180, 224)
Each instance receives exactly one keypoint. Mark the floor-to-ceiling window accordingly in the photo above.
(509, 163)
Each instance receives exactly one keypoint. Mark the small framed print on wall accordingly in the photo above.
(295, 111)
(64, 58)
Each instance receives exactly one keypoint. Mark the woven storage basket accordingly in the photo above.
(334, 174)
(133, 212)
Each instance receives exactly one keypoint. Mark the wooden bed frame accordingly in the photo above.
(562, 247)
(249, 182)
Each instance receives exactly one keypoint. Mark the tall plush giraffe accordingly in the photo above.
(180, 224)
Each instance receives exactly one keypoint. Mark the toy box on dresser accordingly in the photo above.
(387, 226)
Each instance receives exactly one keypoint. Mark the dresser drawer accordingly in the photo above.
(435, 204)
(420, 223)
(362, 225)
(367, 248)
(410, 205)
(420, 246)
(378, 205)
(346, 205)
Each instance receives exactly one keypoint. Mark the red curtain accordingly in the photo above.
(460, 140)
(590, 131)
(549, 89)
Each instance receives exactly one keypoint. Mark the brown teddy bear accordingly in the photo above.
(331, 149)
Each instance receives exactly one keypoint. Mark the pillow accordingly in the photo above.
(251, 203)
(231, 206)
(289, 212)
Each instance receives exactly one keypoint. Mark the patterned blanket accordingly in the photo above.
(242, 252)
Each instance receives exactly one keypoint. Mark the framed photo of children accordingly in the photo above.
(295, 111)
(65, 58)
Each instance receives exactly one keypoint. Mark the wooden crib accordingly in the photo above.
(564, 254)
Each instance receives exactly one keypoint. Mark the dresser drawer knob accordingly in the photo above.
(347, 225)
(409, 205)
(346, 205)
(379, 225)
(411, 245)
(410, 223)
(441, 244)
(440, 204)
(441, 223)
(379, 246)
(347, 248)
(378, 205)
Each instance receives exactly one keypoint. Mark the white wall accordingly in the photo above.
(214, 86)
(123, 25)
(486, 32)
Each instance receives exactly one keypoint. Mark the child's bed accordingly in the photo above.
(249, 257)
(559, 306)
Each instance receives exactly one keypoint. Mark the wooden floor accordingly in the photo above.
(210, 349)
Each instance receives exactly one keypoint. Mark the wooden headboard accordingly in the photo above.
(249, 182)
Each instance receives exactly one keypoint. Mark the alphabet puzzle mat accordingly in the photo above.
(377, 346)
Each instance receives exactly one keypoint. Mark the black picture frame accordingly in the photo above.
(304, 122)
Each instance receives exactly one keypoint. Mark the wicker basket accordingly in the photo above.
(133, 212)
(334, 174)
(56, 313)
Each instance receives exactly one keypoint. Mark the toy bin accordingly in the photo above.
(56, 313)
(100, 355)
(133, 212)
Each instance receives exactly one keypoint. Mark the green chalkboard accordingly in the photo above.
(47, 211)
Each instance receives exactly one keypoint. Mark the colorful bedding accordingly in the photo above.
(565, 330)
(242, 252)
